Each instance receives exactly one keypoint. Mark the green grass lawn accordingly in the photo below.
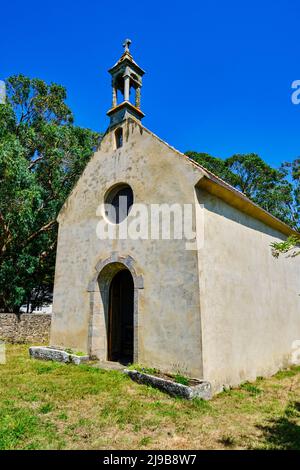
(47, 405)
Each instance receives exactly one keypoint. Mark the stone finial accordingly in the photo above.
(126, 45)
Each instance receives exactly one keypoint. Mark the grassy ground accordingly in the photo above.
(45, 405)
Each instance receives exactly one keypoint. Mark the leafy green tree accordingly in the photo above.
(42, 154)
(214, 164)
(293, 172)
(266, 186)
(291, 246)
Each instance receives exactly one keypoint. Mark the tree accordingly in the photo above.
(42, 154)
(214, 164)
(266, 186)
(292, 170)
(291, 245)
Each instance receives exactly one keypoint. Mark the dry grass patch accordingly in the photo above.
(45, 405)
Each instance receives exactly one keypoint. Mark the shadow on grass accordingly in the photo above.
(283, 433)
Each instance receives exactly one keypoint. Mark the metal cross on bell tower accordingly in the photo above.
(126, 84)
(126, 45)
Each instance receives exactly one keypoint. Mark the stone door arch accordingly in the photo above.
(98, 289)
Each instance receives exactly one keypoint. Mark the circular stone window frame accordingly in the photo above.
(110, 194)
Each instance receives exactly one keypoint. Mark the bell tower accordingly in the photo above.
(126, 88)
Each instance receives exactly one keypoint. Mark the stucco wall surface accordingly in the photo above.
(168, 326)
(250, 303)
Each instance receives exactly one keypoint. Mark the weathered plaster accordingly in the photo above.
(168, 320)
(226, 312)
(250, 303)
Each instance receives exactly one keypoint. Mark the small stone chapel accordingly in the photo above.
(225, 310)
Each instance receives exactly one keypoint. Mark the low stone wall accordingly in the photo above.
(28, 328)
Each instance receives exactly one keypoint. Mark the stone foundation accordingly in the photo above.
(27, 328)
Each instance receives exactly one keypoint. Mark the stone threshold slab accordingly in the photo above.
(109, 365)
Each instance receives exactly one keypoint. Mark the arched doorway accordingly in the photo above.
(120, 318)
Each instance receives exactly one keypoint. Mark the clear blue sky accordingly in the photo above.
(219, 73)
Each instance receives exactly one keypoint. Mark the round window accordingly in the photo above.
(118, 202)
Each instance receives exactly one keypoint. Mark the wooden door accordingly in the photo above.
(120, 324)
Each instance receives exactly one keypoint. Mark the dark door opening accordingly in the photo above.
(120, 319)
